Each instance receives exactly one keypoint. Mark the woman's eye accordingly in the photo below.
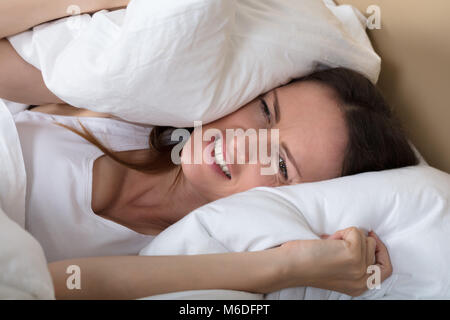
(283, 168)
(265, 109)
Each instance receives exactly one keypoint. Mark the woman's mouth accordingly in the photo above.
(219, 157)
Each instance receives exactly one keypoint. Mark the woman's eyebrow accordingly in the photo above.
(276, 106)
(291, 158)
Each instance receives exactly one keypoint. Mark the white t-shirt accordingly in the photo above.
(59, 167)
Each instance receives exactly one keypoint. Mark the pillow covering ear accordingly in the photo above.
(173, 62)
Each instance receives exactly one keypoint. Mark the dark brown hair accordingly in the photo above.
(376, 139)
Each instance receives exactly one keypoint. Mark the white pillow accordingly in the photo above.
(206, 295)
(172, 62)
(13, 181)
(23, 268)
(408, 208)
(24, 273)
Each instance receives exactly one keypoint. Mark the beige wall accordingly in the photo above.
(414, 44)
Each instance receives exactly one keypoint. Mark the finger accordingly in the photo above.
(353, 237)
(338, 235)
(363, 240)
(379, 244)
(382, 257)
(371, 245)
(324, 236)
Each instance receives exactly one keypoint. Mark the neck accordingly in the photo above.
(150, 203)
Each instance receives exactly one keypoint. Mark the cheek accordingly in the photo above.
(251, 177)
(187, 153)
(199, 178)
(205, 182)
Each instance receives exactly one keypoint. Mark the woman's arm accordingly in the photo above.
(20, 15)
(339, 263)
(132, 277)
(20, 81)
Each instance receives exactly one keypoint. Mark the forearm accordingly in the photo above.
(20, 15)
(131, 277)
(339, 264)
(20, 81)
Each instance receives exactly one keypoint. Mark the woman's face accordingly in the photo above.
(312, 137)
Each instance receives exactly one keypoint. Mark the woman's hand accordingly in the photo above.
(338, 263)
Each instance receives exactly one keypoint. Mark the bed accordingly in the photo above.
(407, 46)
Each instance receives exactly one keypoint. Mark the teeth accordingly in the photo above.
(218, 154)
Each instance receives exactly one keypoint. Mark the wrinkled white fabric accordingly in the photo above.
(24, 273)
(408, 208)
(173, 62)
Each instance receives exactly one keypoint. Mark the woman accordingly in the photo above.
(100, 189)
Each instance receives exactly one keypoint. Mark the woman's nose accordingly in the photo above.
(244, 145)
